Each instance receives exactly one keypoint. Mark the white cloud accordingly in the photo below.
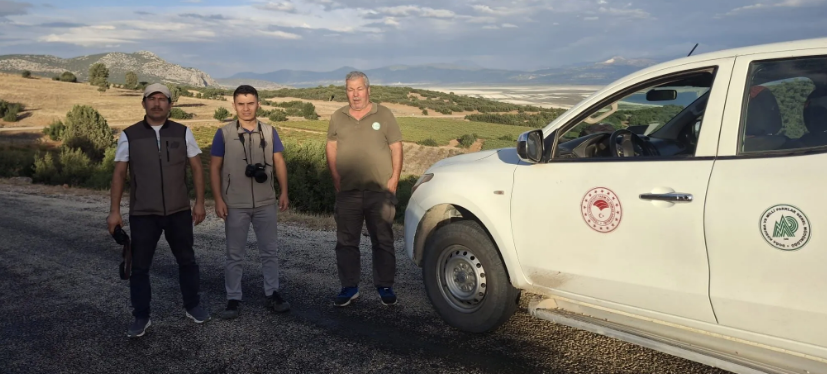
(278, 6)
(630, 13)
(491, 27)
(508, 25)
(280, 34)
(192, 1)
(780, 4)
(592, 18)
(413, 10)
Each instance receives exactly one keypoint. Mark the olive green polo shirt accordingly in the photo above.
(363, 155)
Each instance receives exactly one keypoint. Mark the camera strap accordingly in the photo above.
(126, 264)
(262, 142)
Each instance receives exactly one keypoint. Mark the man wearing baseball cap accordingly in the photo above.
(156, 152)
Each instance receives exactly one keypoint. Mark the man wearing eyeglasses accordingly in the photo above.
(156, 152)
(245, 154)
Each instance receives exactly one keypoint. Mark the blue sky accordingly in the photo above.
(224, 37)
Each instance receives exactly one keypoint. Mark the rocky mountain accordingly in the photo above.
(148, 66)
(462, 73)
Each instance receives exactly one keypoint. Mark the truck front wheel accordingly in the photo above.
(465, 279)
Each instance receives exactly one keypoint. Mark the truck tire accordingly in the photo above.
(466, 280)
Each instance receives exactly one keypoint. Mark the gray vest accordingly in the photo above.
(238, 190)
(158, 183)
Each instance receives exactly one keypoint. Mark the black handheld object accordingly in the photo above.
(122, 238)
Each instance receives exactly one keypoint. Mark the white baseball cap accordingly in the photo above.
(157, 87)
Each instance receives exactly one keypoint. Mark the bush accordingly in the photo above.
(45, 169)
(467, 140)
(11, 115)
(26, 74)
(178, 113)
(9, 110)
(16, 162)
(75, 166)
(87, 129)
(277, 116)
(101, 174)
(221, 113)
(425, 111)
(56, 130)
(68, 77)
(430, 142)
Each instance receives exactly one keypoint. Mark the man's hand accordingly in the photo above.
(113, 221)
(199, 213)
(221, 209)
(284, 202)
(337, 182)
(392, 184)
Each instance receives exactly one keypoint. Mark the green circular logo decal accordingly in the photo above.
(785, 227)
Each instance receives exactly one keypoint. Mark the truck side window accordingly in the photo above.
(785, 106)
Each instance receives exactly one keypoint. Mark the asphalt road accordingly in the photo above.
(63, 309)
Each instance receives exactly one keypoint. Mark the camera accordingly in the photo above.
(120, 236)
(256, 171)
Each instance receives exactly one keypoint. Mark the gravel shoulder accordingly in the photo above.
(64, 309)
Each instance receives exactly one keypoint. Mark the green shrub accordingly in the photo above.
(45, 168)
(277, 115)
(430, 142)
(88, 130)
(26, 74)
(101, 175)
(467, 140)
(11, 115)
(68, 77)
(425, 111)
(75, 166)
(178, 113)
(221, 113)
(16, 162)
(56, 130)
(9, 111)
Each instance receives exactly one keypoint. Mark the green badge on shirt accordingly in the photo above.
(376, 126)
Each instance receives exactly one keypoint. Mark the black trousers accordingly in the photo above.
(146, 231)
(377, 210)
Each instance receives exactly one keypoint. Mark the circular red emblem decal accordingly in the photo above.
(601, 209)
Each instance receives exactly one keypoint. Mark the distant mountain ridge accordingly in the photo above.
(147, 65)
(461, 73)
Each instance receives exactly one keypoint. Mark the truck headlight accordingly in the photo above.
(424, 178)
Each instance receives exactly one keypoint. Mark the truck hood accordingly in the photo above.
(503, 155)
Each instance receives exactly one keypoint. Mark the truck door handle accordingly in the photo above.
(672, 196)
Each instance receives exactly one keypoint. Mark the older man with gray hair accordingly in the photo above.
(364, 154)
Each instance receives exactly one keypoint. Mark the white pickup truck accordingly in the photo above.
(697, 227)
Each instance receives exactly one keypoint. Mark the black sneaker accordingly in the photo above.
(387, 295)
(276, 303)
(346, 295)
(138, 327)
(198, 314)
(232, 310)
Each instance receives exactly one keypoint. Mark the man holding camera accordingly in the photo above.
(245, 154)
(156, 151)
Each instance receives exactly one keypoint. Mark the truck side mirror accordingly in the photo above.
(530, 146)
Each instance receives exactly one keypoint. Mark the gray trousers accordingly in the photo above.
(236, 228)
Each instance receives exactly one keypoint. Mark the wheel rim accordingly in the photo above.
(461, 278)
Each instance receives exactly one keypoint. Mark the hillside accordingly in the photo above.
(149, 67)
(232, 83)
(599, 73)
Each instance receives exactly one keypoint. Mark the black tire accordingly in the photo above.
(474, 305)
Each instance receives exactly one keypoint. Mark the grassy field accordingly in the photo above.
(440, 129)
